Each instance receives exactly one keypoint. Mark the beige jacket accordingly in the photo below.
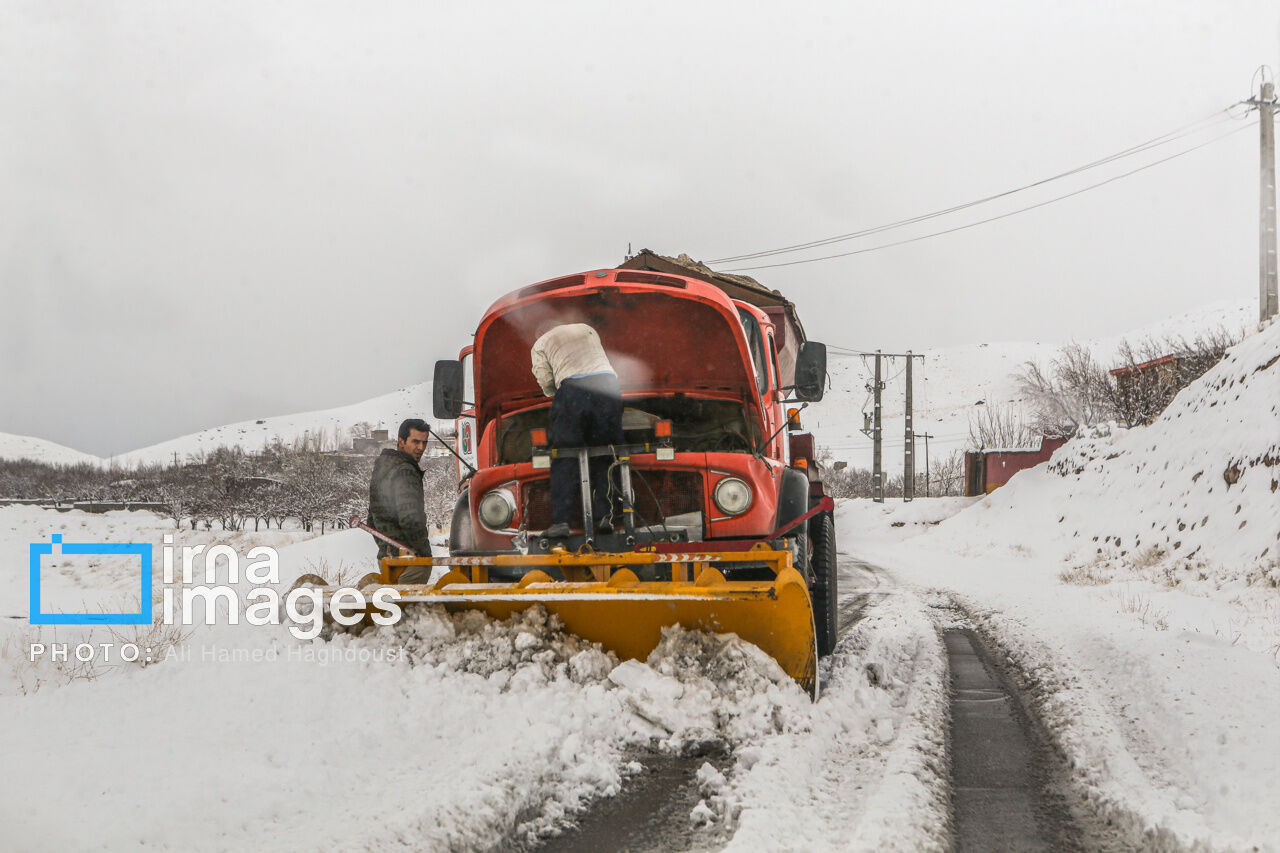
(564, 351)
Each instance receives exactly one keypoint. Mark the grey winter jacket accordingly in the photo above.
(396, 507)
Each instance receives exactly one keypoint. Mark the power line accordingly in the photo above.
(1215, 118)
(1000, 216)
(848, 351)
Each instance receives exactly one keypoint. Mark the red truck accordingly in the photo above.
(713, 457)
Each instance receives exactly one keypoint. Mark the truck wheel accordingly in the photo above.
(824, 593)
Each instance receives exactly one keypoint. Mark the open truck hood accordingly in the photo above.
(663, 335)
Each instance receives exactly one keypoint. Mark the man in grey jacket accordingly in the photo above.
(570, 365)
(396, 506)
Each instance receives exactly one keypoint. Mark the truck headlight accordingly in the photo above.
(497, 509)
(732, 496)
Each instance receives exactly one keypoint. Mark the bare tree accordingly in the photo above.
(946, 475)
(1075, 391)
(1000, 426)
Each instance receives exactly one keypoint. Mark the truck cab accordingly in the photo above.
(705, 384)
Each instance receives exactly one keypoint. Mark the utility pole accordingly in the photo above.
(877, 472)
(1265, 103)
(927, 469)
(871, 427)
(908, 444)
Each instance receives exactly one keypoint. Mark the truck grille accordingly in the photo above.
(677, 492)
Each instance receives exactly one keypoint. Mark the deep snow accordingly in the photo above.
(1132, 584)
(442, 732)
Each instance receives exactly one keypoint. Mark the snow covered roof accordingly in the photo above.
(1136, 368)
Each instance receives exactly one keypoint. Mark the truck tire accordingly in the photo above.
(824, 593)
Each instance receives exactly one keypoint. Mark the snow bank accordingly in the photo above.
(896, 519)
(866, 769)
(1132, 583)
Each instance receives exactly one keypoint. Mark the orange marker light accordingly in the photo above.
(662, 429)
(538, 437)
(800, 463)
(793, 417)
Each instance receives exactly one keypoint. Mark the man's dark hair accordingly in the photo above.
(410, 424)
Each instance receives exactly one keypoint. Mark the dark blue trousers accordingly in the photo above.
(585, 412)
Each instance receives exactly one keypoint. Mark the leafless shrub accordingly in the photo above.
(231, 487)
(1148, 614)
(946, 476)
(1000, 426)
(1158, 368)
(1147, 557)
(341, 574)
(157, 639)
(945, 479)
(1090, 574)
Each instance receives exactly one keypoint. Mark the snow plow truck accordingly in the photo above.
(725, 525)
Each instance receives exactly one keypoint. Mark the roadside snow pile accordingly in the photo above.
(710, 690)
(899, 519)
(1192, 499)
(1160, 757)
(694, 692)
(868, 771)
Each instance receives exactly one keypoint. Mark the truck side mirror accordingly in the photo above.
(446, 390)
(811, 371)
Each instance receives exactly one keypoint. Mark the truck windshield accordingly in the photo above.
(697, 426)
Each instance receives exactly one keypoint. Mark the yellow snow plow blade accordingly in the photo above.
(607, 603)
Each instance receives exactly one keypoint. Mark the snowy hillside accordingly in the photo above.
(40, 450)
(1131, 582)
(1195, 494)
(325, 427)
(950, 383)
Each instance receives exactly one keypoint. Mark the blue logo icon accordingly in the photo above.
(38, 549)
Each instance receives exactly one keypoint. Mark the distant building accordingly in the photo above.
(988, 469)
(381, 439)
(374, 444)
(1145, 389)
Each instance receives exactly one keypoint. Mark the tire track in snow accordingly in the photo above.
(652, 811)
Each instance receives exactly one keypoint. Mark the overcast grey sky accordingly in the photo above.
(217, 211)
